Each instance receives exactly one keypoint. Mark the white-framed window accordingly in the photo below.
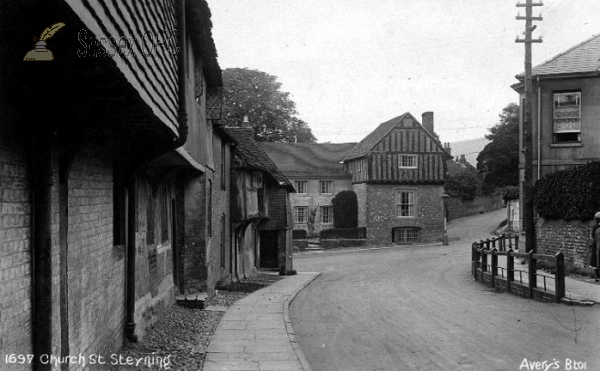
(300, 214)
(326, 186)
(405, 203)
(407, 162)
(405, 235)
(301, 186)
(567, 117)
(327, 214)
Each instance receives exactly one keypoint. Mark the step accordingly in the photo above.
(192, 300)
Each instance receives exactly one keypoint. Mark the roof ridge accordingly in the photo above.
(393, 121)
(556, 57)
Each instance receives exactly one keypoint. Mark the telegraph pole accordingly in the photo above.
(528, 221)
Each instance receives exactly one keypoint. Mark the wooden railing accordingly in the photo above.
(485, 268)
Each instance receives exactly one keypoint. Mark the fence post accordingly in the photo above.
(510, 269)
(474, 259)
(494, 253)
(517, 242)
(484, 263)
(559, 279)
(532, 273)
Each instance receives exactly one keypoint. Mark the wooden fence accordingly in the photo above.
(485, 269)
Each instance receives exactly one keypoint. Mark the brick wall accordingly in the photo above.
(569, 237)
(155, 287)
(15, 231)
(95, 270)
(381, 212)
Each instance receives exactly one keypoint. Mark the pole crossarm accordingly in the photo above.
(520, 5)
(538, 40)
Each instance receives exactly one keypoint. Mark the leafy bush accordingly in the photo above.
(299, 234)
(350, 233)
(510, 193)
(345, 209)
(569, 194)
(465, 185)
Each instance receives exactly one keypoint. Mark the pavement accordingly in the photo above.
(256, 333)
(580, 291)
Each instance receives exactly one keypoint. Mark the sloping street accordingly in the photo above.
(418, 308)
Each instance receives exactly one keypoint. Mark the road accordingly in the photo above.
(417, 308)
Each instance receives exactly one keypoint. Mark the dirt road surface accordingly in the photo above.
(417, 308)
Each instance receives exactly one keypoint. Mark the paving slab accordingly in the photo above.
(255, 333)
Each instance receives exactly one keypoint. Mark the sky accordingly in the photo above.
(350, 65)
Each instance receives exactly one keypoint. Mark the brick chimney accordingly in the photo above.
(427, 120)
(447, 148)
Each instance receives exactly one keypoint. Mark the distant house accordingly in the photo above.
(398, 172)
(470, 148)
(459, 165)
(317, 173)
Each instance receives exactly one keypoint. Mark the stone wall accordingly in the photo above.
(361, 197)
(381, 215)
(569, 237)
(458, 208)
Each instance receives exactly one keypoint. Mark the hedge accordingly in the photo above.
(299, 234)
(350, 233)
(345, 209)
(510, 193)
(569, 194)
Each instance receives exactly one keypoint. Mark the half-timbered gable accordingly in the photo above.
(398, 151)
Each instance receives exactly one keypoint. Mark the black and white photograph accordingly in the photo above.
(299, 185)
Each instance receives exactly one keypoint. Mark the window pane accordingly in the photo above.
(301, 186)
(300, 214)
(405, 203)
(567, 116)
(326, 214)
(326, 186)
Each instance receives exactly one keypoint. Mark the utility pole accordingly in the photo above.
(528, 221)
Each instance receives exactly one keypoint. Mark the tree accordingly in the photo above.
(271, 111)
(465, 185)
(500, 158)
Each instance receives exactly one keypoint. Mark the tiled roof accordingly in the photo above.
(309, 159)
(365, 145)
(371, 140)
(582, 58)
(254, 155)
